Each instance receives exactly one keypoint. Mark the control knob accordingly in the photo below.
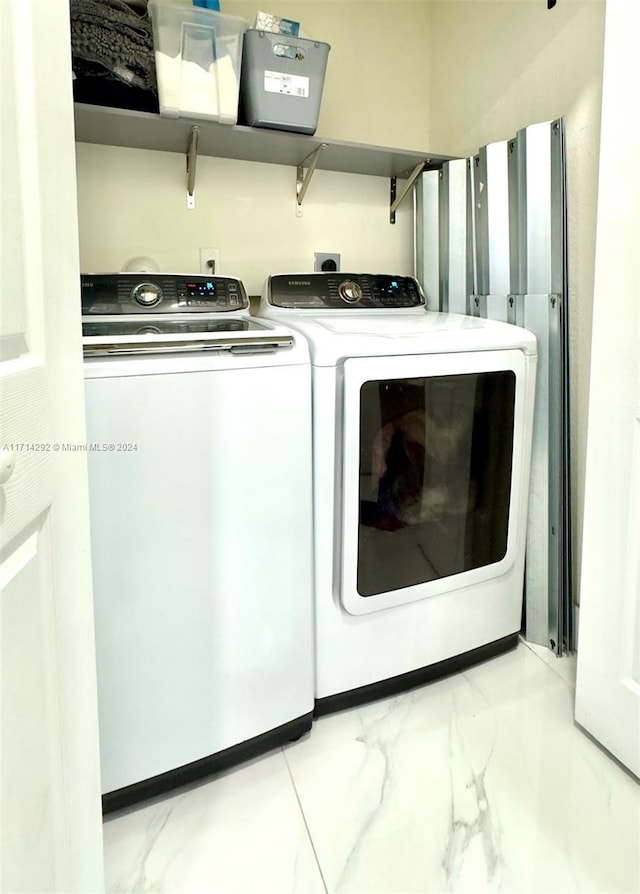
(350, 291)
(147, 294)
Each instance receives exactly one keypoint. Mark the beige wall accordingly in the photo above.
(497, 66)
(132, 202)
(377, 81)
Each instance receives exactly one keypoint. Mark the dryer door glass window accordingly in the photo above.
(435, 477)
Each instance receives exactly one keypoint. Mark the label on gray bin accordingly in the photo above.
(291, 85)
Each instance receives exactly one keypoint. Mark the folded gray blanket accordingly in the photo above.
(112, 34)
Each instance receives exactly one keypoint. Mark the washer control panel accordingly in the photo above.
(333, 291)
(160, 293)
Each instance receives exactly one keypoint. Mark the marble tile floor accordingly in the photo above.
(480, 782)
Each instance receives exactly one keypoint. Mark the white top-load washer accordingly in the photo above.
(422, 427)
(201, 548)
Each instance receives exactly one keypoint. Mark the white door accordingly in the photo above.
(50, 808)
(608, 685)
(427, 439)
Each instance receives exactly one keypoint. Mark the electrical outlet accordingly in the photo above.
(209, 260)
(327, 262)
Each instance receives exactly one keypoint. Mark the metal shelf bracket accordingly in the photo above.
(192, 158)
(394, 203)
(303, 180)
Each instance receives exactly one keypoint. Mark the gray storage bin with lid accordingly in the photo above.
(281, 81)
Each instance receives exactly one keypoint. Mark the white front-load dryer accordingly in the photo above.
(422, 426)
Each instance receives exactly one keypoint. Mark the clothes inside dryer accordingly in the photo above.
(435, 477)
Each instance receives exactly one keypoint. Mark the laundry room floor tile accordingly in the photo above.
(241, 833)
(480, 782)
(564, 667)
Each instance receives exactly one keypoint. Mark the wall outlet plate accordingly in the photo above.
(326, 262)
(210, 261)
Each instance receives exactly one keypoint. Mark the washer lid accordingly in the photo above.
(335, 337)
(160, 335)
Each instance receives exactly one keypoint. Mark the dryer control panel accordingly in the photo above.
(160, 293)
(335, 291)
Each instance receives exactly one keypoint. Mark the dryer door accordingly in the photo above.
(435, 474)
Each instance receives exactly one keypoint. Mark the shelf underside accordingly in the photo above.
(144, 130)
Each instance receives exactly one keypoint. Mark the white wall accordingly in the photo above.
(496, 67)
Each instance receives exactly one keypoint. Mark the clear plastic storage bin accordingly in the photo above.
(282, 81)
(198, 54)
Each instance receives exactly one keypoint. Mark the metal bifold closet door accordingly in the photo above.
(491, 242)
